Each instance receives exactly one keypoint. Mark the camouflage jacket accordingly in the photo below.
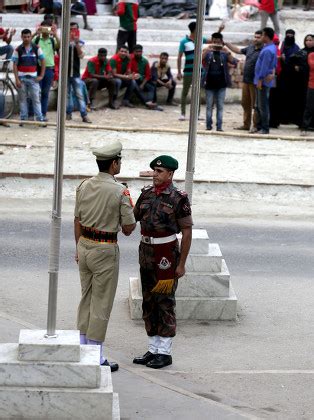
(168, 212)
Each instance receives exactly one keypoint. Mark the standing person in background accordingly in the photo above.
(25, 59)
(187, 47)
(300, 82)
(308, 117)
(288, 91)
(216, 63)
(269, 9)
(127, 10)
(47, 39)
(264, 79)
(74, 76)
(251, 53)
(275, 103)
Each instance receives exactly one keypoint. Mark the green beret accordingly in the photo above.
(111, 150)
(165, 161)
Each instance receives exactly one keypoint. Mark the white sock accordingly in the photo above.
(165, 345)
(153, 343)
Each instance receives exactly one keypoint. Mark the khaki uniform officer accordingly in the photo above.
(102, 206)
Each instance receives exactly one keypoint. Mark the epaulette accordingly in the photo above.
(147, 188)
(183, 193)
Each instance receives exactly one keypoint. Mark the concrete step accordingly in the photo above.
(82, 374)
(205, 284)
(190, 308)
(112, 22)
(51, 403)
(210, 262)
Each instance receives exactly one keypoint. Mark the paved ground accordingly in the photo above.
(255, 197)
(258, 365)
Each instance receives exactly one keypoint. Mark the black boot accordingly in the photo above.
(160, 361)
(143, 360)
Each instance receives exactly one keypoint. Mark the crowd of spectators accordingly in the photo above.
(277, 80)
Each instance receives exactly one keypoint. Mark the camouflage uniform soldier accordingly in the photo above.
(102, 205)
(163, 211)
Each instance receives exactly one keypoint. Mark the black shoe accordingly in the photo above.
(220, 129)
(263, 132)
(160, 361)
(143, 360)
(113, 366)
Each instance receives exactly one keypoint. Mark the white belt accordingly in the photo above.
(158, 241)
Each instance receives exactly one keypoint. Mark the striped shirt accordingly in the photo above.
(187, 47)
(27, 61)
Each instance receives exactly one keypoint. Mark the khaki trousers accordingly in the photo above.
(99, 271)
(249, 104)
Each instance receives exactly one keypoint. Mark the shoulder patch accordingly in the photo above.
(126, 193)
(181, 192)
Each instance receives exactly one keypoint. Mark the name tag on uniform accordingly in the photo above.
(167, 205)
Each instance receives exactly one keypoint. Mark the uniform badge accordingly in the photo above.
(164, 264)
(126, 192)
(158, 162)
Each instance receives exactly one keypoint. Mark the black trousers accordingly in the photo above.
(308, 117)
(126, 37)
(96, 84)
(171, 91)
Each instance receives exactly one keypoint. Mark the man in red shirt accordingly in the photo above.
(98, 75)
(121, 69)
(269, 8)
(144, 88)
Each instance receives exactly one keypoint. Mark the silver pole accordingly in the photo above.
(55, 229)
(195, 98)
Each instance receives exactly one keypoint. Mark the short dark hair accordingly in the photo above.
(45, 23)
(269, 32)
(138, 47)
(259, 32)
(217, 35)
(290, 31)
(26, 32)
(102, 51)
(124, 47)
(164, 54)
(104, 165)
(192, 26)
(74, 24)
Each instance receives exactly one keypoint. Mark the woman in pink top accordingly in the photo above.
(308, 117)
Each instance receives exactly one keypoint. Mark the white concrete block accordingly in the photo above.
(192, 308)
(30, 403)
(210, 262)
(83, 374)
(200, 241)
(64, 348)
(204, 284)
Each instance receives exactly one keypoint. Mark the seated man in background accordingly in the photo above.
(121, 69)
(162, 77)
(6, 36)
(144, 88)
(98, 75)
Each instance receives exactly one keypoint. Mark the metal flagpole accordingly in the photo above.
(195, 98)
(55, 229)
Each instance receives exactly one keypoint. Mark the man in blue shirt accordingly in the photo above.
(264, 79)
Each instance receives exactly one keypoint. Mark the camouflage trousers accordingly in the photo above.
(158, 309)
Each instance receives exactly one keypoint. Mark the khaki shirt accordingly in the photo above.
(103, 203)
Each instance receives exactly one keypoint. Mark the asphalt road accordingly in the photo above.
(260, 364)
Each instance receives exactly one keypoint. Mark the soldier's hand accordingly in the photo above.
(76, 257)
(180, 271)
